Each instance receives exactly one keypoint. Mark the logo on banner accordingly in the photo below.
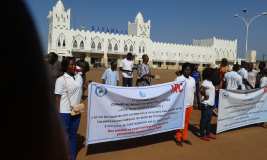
(142, 94)
(101, 91)
(176, 88)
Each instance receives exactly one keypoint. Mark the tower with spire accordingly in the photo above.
(58, 22)
(139, 27)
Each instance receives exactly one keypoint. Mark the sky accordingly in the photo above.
(173, 21)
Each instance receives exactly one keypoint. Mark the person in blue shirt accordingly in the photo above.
(197, 76)
(111, 75)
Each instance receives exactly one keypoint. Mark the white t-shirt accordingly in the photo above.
(252, 77)
(243, 73)
(233, 80)
(127, 65)
(209, 91)
(190, 88)
(263, 82)
(73, 86)
(110, 77)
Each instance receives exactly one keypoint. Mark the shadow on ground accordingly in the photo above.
(130, 143)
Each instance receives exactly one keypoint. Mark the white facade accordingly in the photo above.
(252, 56)
(103, 46)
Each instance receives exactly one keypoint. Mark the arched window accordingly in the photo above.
(64, 43)
(99, 47)
(75, 44)
(58, 43)
(109, 47)
(82, 45)
(93, 45)
(116, 47)
(143, 49)
(131, 48)
(125, 48)
(139, 49)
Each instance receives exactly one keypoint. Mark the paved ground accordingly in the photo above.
(248, 143)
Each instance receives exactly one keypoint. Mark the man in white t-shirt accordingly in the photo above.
(233, 80)
(126, 68)
(190, 88)
(244, 74)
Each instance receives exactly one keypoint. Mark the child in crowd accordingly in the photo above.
(111, 75)
(207, 91)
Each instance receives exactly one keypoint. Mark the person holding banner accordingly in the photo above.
(190, 88)
(262, 66)
(207, 91)
(68, 91)
(263, 83)
(244, 74)
(144, 73)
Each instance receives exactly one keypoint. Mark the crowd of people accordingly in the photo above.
(34, 116)
(68, 81)
(205, 92)
(202, 89)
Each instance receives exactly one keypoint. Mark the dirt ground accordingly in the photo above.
(248, 143)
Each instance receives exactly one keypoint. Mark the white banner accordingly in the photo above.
(116, 113)
(241, 108)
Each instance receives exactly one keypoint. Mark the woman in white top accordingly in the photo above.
(68, 89)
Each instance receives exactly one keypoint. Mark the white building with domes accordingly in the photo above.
(103, 47)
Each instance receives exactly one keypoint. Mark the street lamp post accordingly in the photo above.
(247, 21)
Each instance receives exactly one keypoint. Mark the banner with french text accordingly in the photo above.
(241, 108)
(117, 113)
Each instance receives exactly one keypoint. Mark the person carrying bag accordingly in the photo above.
(68, 91)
